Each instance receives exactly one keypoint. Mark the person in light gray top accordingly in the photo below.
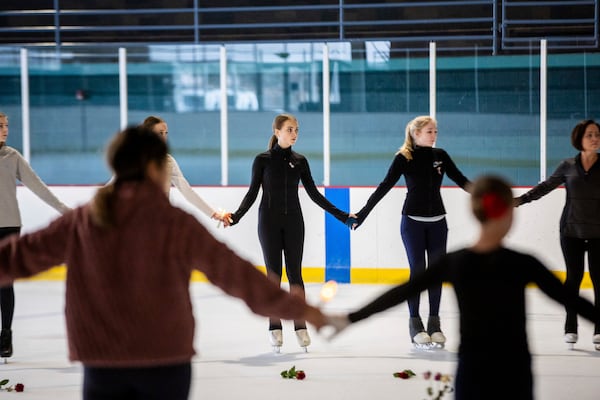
(14, 167)
(159, 126)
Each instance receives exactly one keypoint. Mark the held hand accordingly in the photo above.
(337, 323)
(352, 222)
(223, 217)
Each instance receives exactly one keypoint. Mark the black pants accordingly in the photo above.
(154, 383)
(279, 233)
(574, 250)
(7, 293)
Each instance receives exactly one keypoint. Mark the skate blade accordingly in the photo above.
(305, 348)
(423, 346)
(277, 349)
(571, 346)
(438, 346)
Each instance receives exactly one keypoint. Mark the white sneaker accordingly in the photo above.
(421, 338)
(303, 338)
(571, 338)
(438, 338)
(276, 337)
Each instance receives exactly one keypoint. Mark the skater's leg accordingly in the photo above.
(573, 252)
(593, 250)
(7, 305)
(437, 238)
(293, 249)
(271, 242)
(413, 237)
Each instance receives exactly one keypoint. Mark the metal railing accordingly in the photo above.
(493, 26)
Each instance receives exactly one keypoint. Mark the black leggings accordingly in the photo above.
(279, 233)
(574, 252)
(153, 383)
(7, 293)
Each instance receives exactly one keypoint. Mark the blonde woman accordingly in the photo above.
(423, 228)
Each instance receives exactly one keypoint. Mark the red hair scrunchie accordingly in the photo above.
(493, 205)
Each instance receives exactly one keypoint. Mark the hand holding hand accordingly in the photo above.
(352, 221)
(223, 217)
(338, 322)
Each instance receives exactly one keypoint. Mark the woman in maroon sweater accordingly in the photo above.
(130, 255)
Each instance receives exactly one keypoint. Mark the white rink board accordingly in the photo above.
(376, 244)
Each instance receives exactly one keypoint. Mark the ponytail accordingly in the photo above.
(277, 124)
(103, 206)
(272, 142)
(409, 140)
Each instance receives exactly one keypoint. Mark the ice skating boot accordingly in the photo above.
(303, 339)
(6, 348)
(596, 341)
(571, 339)
(438, 340)
(276, 339)
(419, 338)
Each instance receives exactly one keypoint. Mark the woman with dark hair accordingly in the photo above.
(130, 254)
(14, 167)
(580, 220)
(278, 171)
(489, 281)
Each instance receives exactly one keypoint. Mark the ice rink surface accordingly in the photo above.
(235, 360)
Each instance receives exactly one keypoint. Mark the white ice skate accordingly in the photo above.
(303, 339)
(422, 341)
(276, 339)
(438, 340)
(596, 340)
(570, 340)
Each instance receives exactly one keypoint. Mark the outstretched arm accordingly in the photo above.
(30, 179)
(250, 198)
(554, 288)
(543, 188)
(394, 173)
(316, 196)
(179, 181)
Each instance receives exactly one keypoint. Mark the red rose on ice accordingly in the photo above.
(300, 375)
(19, 387)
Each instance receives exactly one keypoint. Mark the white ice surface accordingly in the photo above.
(235, 360)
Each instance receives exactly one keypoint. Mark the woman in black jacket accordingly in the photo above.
(279, 170)
(580, 220)
(423, 228)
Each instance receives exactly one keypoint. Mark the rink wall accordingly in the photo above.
(372, 254)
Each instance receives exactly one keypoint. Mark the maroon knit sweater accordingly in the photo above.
(127, 289)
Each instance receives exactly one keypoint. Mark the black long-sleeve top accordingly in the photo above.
(423, 175)
(279, 171)
(581, 214)
(490, 289)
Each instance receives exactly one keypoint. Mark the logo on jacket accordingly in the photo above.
(438, 166)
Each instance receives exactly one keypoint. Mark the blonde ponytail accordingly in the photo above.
(411, 129)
